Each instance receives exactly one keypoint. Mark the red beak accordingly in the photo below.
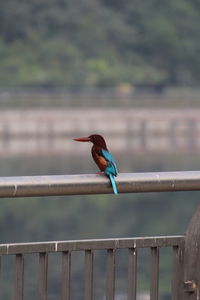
(82, 139)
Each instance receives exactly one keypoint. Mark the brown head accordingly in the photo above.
(96, 139)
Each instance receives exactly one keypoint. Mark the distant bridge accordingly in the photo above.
(49, 131)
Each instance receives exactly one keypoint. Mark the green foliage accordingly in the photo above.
(99, 43)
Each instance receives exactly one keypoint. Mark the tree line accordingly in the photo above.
(99, 42)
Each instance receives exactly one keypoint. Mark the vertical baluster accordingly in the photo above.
(177, 273)
(43, 275)
(66, 272)
(110, 278)
(89, 275)
(154, 291)
(132, 274)
(19, 277)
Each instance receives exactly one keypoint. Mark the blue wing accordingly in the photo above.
(111, 168)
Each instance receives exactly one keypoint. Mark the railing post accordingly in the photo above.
(178, 272)
(192, 258)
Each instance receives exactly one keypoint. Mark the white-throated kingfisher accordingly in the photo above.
(102, 157)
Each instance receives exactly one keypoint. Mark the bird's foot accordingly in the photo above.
(100, 173)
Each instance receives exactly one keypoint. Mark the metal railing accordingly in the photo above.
(111, 246)
(29, 186)
(185, 277)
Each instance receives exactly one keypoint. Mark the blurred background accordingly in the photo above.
(128, 70)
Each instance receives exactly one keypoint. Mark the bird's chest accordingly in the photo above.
(99, 159)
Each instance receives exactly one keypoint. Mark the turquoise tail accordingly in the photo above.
(112, 180)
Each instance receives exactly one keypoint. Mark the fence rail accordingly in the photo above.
(111, 246)
(28, 186)
(94, 244)
(185, 275)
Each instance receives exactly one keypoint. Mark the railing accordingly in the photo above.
(111, 246)
(29, 186)
(185, 277)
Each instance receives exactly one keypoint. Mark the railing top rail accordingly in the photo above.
(29, 186)
(94, 244)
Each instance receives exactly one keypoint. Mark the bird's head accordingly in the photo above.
(96, 139)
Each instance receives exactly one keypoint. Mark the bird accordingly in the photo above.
(102, 157)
